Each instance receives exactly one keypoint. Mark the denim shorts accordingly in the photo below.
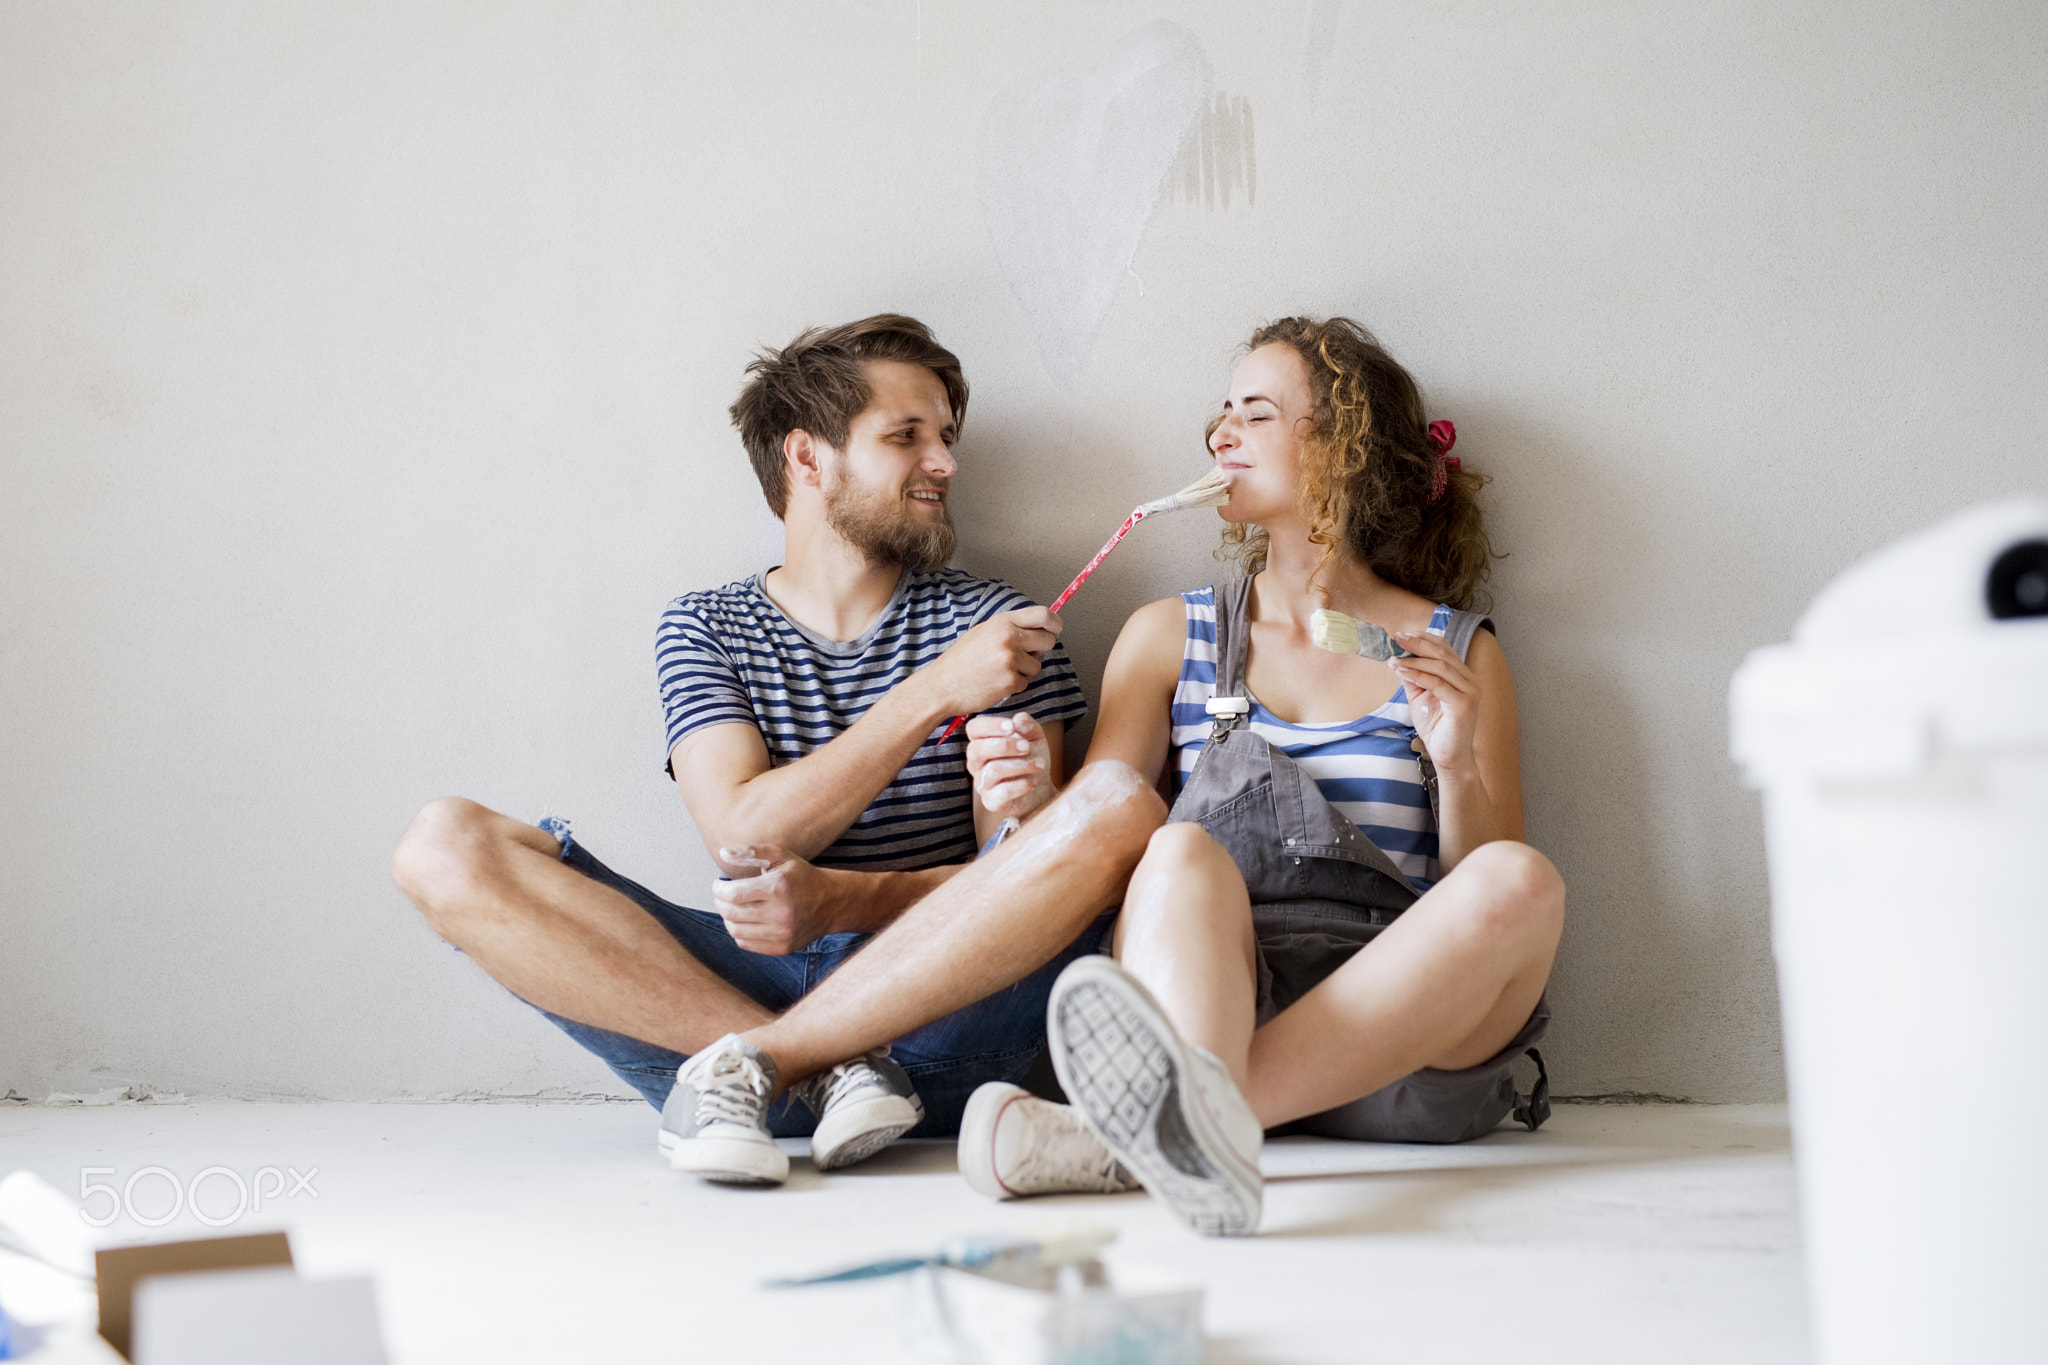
(996, 1039)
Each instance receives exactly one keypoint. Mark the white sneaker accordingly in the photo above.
(862, 1106)
(713, 1125)
(1013, 1143)
(1168, 1110)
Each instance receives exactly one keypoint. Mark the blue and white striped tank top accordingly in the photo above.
(1364, 768)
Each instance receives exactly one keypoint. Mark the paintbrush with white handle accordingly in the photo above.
(1211, 490)
(1341, 634)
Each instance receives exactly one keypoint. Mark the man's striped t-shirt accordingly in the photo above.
(729, 655)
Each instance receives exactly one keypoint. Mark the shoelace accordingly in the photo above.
(841, 1081)
(731, 1091)
(1064, 1146)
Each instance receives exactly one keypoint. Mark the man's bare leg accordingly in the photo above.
(497, 889)
(1447, 985)
(987, 928)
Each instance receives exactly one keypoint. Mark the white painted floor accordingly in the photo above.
(514, 1233)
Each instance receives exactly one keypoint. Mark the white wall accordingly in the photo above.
(362, 380)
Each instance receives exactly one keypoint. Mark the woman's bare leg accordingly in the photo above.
(1447, 985)
(1186, 932)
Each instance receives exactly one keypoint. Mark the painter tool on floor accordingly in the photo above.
(1339, 930)
(1042, 1252)
(1042, 1296)
(799, 702)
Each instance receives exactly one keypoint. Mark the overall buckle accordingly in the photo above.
(1226, 712)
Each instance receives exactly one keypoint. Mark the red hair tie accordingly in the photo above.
(1442, 436)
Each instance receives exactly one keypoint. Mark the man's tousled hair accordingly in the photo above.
(817, 384)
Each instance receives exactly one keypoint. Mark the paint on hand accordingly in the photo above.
(1069, 167)
(735, 889)
(746, 856)
(996, 791)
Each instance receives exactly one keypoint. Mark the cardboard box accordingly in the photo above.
(121, 1267)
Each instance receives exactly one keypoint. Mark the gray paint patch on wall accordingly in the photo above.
(1217, 157)
(1318, 41)
(1069, 167)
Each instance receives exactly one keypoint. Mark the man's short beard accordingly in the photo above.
(876, 523)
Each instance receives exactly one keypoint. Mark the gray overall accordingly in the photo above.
(1320, 891)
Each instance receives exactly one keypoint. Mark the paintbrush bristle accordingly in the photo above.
(1211, 490)
(1341, 634)
(1334, 631)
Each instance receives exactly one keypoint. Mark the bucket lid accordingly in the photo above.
(1938, 642)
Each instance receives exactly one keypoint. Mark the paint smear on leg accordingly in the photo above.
(1094, 790)
(1146, 910)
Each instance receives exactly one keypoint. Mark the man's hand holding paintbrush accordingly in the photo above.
(996, 659)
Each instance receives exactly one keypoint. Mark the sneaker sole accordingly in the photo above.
(856, 1132)
(727, 1162)
(978, 1137)
(1122, 1064)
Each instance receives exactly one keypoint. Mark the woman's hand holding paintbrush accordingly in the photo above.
(1442, 689)
(1211, 490)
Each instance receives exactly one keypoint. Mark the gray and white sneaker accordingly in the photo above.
(1167, 1109)
(713, 1124)
(1014, 1143)
(862, 1106)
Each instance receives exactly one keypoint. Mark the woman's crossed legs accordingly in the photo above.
(1447, 985)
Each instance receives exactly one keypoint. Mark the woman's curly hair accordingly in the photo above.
(1369, 472)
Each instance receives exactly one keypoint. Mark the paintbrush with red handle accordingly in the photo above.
(1211, 490)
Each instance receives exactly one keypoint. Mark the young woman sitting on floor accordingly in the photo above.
(1339, 931)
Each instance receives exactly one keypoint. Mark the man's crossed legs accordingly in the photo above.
(649, 986)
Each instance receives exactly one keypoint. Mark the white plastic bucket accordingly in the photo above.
(1901, 743)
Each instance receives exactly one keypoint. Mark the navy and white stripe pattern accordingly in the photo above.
(1365, 768)
(728, 655)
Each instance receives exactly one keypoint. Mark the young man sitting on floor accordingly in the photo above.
(803, 707)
